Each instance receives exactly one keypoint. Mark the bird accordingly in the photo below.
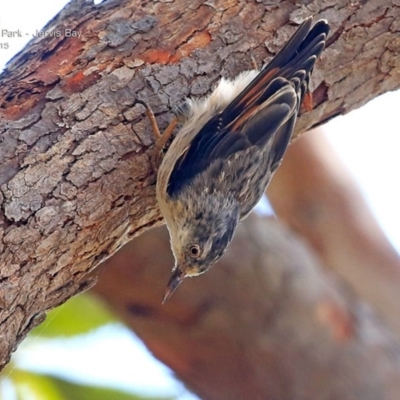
(227, 149)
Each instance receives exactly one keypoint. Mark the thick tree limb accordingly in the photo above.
(75, 182)
(315, 195)
(265, 323)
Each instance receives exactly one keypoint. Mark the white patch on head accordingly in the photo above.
(178, 236)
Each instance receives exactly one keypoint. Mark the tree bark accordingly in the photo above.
(76, 182)
(267, 322)
(315, 196)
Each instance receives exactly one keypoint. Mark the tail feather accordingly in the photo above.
(262, 115)
(306, 42)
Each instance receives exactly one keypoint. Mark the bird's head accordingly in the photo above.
(201, 229)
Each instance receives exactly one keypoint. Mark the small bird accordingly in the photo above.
(227, 149)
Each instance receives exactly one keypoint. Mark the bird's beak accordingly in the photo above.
(174, 281)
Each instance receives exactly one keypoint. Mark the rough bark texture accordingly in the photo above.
(75, 179)
(265, 323)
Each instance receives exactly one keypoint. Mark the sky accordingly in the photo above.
(367, 140)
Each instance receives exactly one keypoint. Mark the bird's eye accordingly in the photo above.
(194, 250)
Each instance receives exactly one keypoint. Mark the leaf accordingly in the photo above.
(72, 391)
(80, 314)
(29, 386)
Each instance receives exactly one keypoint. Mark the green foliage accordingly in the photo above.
(28, 385)
(31, 386)
(85, 392)
(80, 314)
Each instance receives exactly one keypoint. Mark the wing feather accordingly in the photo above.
(263, 113)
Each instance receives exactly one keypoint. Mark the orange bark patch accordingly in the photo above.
(79, 81)
(199, 41)
(307, 104)
(59, 62)
(51, 67)
(156, 56)
(15, 112)
(336, 319)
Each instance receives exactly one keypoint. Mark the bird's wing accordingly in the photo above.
(266, 110)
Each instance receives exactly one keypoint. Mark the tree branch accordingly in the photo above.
(76, 181)
(265, 323)
(314, 194)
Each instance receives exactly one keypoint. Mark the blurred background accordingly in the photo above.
(83, 351)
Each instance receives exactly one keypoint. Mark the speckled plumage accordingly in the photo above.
(230, 144)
